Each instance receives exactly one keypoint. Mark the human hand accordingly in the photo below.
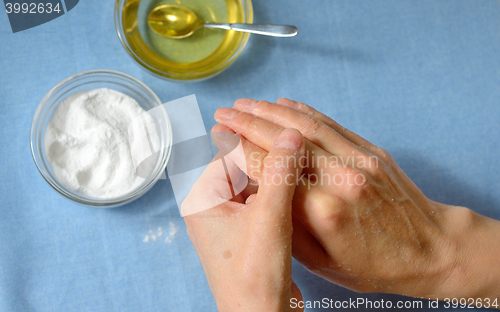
(244, 244)
(359, 221)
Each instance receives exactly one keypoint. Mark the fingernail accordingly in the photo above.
(226, 113)
(289, 140)
(246, 104)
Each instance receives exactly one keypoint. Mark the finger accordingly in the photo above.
(279, 179)
(258, 131)
(307, 110)
(211, 190)
(234, 149)
(254, 158)
(221, 128)
(311, 127)
(263, 133)
(215, 186)
(250, 161)
(272, 206)
(224, 138)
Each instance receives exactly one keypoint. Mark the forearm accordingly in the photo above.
(474, 272)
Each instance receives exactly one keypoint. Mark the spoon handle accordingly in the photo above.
(260, 29)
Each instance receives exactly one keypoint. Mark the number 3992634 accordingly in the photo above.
(32, 8)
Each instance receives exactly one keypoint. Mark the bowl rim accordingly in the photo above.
(73, 195)
(248, 7)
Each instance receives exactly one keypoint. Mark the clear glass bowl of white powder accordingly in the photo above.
(84, 145)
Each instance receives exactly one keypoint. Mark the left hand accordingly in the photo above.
(246, 247)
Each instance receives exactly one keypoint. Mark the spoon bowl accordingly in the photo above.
(174, 21)
(177, 22)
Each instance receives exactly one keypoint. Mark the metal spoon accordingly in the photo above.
(174, 21)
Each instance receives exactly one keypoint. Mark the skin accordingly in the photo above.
(245, 244)
(360, 222)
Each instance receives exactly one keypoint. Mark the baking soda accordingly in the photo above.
(91, 146)
(169, 236)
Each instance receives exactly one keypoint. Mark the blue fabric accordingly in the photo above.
(419, 78)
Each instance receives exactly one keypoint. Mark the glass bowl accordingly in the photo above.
(150, 49)
(92, 79)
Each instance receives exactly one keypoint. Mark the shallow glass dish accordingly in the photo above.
(203, 55)
(93, 79)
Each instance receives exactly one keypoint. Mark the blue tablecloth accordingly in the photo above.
(419, 78)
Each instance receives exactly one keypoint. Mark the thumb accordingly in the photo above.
(281, 170)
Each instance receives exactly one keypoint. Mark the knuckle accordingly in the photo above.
(332, 123)
(332, 217)
(307, 109)
(384, 155)
(348, 172)
(372, 164)
(377, 173)
(246, 120)
(352, 183)
(326, 209)
(304, 107)
(261, 106)
(262, 103)
(311, 126)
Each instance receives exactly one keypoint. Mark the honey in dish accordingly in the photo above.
(194, 57)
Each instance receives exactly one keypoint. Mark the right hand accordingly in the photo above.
(244, 244)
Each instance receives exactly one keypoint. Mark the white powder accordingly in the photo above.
(171, 233)
(156, 235)
(91, 146)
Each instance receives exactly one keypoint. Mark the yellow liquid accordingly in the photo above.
(203, 54)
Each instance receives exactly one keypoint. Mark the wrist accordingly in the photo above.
(472, 269)
(260, 299)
